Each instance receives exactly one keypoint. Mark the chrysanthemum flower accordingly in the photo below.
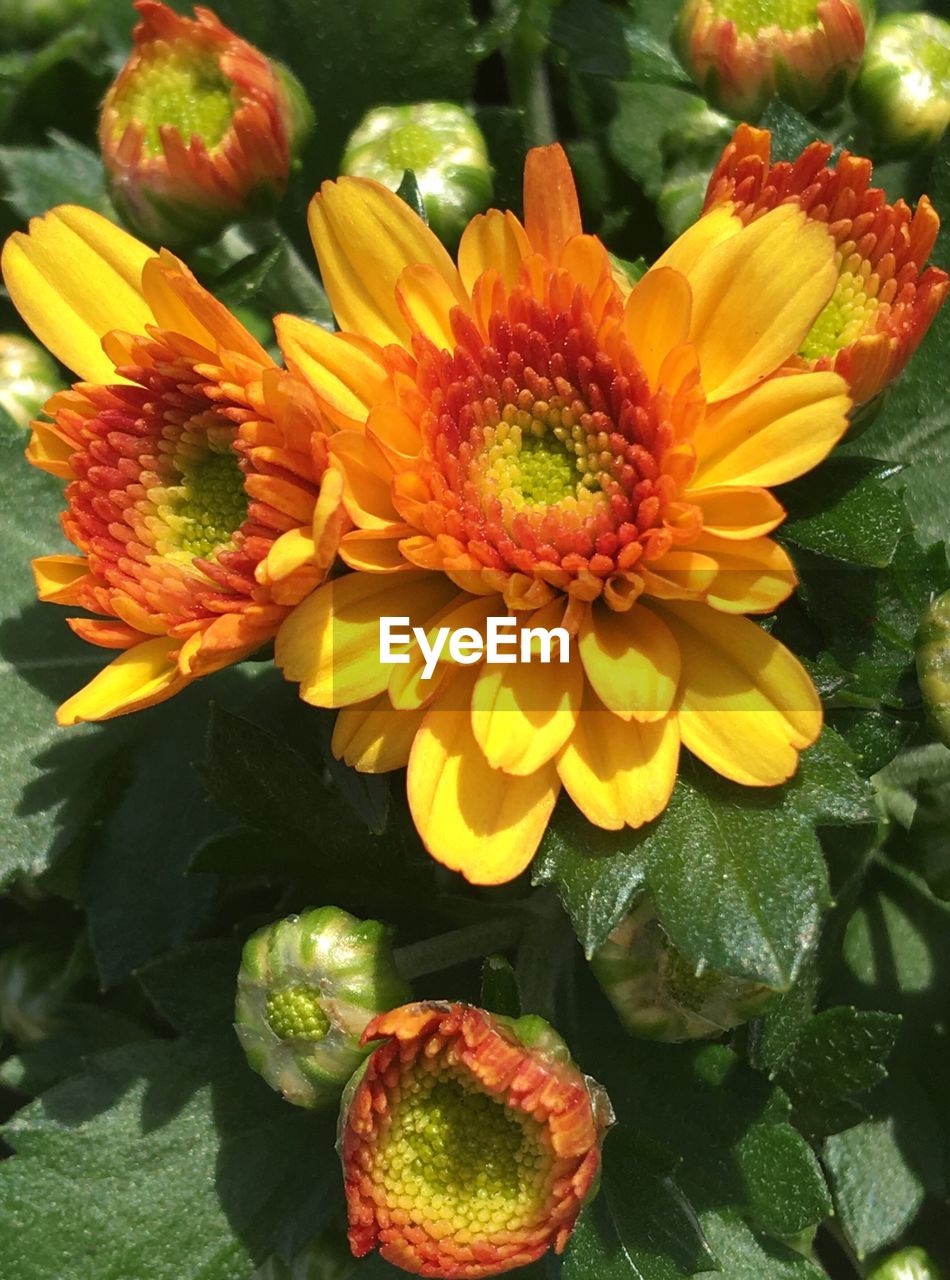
(886, 297)
(198, 494)
(469, 1143)
(198, 127)
(519, 436)
(742, 53)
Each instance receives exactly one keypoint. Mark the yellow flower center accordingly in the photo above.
(457, 1156)
(204, 510)
(183, 88)
(848, 315)
(751, 16)
(297, 1014)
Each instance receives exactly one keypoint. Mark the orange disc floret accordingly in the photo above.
(469, 1143)
(887, 297)
(199, 492)
(197, 123)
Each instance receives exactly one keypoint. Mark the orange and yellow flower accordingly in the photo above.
(469, 1144)
(198, 127)
(518, 436)
(886, 297)
(742, 53)
(198, 491)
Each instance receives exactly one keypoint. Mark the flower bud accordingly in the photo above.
(31, 22)
(34, 981)
(657, 992)
(198, 129)
(906, 1264)
(903, 91)
(444, 148)
(469, 1141)
(307, 987)
(742, 53)
(28, 377)
(933, 665)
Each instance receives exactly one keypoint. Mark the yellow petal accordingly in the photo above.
(631, 660)
(755, 576)
(656, 318)
(330, 643)
(523, 713)
(737, 512)
(747, 705)
(364, 237)
(472, 818)
(772, 434)
(48, 451)
(376, 550)
(373, 737)
(426, 299)
(290, 552)
(74, 277)
(619, 774)
(367, 480)
(140, 677)
(755, 297)
(56, 577)
(492, 239)
(180, 304)
(684, 253)
(348, 375)
(408, 689)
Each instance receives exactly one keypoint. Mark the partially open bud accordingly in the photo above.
(198, 129)
(906, 1264)
(742, 53)
(307, 988)
(903, 91)
(933, 664)
(657, 992)
(28, 377)
(441, 144)
(469, 1141)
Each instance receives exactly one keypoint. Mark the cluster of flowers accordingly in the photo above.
(524, 431)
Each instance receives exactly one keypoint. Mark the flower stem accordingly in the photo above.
(526, 71)
(449, 949)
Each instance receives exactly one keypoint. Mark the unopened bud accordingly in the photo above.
(658, 993)
(28, 377)
(442, 145)
(933, 665)
(903, 91)
(307, 987)
(907, 1264)
(198, 129)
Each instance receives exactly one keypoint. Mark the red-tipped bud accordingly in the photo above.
(469, 1142)
(198, 129)
(742, 53)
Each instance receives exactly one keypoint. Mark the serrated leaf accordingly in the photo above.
(786, 1190)
(647, 114)
(640, 1227)
(34, 179)
(846, 512)
(839, 1055)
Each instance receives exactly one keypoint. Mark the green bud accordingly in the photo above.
(441, 144)
(31, 22)
(657, 992)
(933, 665)
(28, 377)
(903, 91)
(34, 982)
(906, 1264)
(307, 988)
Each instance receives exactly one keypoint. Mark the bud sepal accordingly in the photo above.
(903, 91)
(28, 378)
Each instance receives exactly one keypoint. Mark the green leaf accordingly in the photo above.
(648, 115)
(408, 190)
(846, 512)
(914, 426)
(791, 131)
(784, 1183)
(839, 1055)
(165, 1161)
(640, 1227)
(34, 179)
(747, 1254)
(85, 1030)
(500, 988)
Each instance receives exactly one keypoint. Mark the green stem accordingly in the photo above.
(527, 73)
(461, 945)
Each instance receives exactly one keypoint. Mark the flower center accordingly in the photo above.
(455, 1155)
(750, 16)
(204, 510)
(848, 315)
(297, 1014)
(183, 88)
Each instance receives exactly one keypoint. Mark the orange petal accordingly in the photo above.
(656, 318)
(347, 374)
(426, 300)
(552, 215)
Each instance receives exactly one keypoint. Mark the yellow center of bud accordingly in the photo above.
(750, 16)
(297, 1014)
(180, 87)
(848, 315)
(203, 511)
(457, 1157)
